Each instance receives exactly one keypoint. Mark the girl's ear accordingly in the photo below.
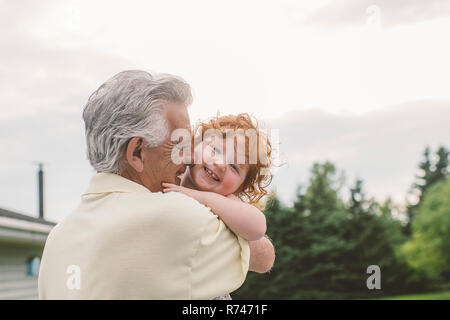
(133, 154)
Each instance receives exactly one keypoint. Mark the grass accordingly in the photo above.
(442, 295)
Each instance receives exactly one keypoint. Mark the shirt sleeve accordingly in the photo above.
(221, 261)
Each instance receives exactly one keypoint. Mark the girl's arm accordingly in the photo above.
(242, 218)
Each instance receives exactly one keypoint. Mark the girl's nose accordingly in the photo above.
(220, 166)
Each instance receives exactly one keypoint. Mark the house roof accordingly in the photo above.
(19, 216)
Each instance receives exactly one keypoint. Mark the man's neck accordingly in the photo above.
(133, 176)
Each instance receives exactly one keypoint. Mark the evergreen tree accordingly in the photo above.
(424, 179)
(430, 175)
(323, 246)
(320, 195)
(283, 226)
(299, 204)
(441, 167)
(357, 199)
(376, 237)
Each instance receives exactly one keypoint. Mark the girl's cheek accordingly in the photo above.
(228, 185)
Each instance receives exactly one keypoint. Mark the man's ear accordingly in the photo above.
(133, 154)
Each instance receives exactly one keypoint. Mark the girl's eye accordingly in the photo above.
(234, 167)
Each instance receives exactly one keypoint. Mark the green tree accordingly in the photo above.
(324, 245)
(429, 249)
(282, 228)
(357, 199)
(375, 236)
(424, 179)
(441, 167)
(307, 242)
(430, 174)
(321, 243)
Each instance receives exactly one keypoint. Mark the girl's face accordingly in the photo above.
(215, 173)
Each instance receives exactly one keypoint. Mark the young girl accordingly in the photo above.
(230, 182)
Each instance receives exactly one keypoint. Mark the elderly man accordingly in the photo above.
(126, 239)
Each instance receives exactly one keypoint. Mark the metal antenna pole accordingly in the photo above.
(41, 191)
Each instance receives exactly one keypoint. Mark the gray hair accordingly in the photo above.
(130, 104)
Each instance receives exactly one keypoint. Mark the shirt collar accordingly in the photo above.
(109, 182)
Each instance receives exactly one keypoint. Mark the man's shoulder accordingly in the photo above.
(168, 200)
(170, 206)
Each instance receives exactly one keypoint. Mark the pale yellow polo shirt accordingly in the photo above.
(125, 242)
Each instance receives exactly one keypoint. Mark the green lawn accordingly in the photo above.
(442, 295)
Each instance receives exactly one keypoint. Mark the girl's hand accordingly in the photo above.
(197, 195)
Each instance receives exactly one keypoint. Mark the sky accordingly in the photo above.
(363, 84)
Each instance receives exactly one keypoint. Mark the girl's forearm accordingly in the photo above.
(242, 218)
